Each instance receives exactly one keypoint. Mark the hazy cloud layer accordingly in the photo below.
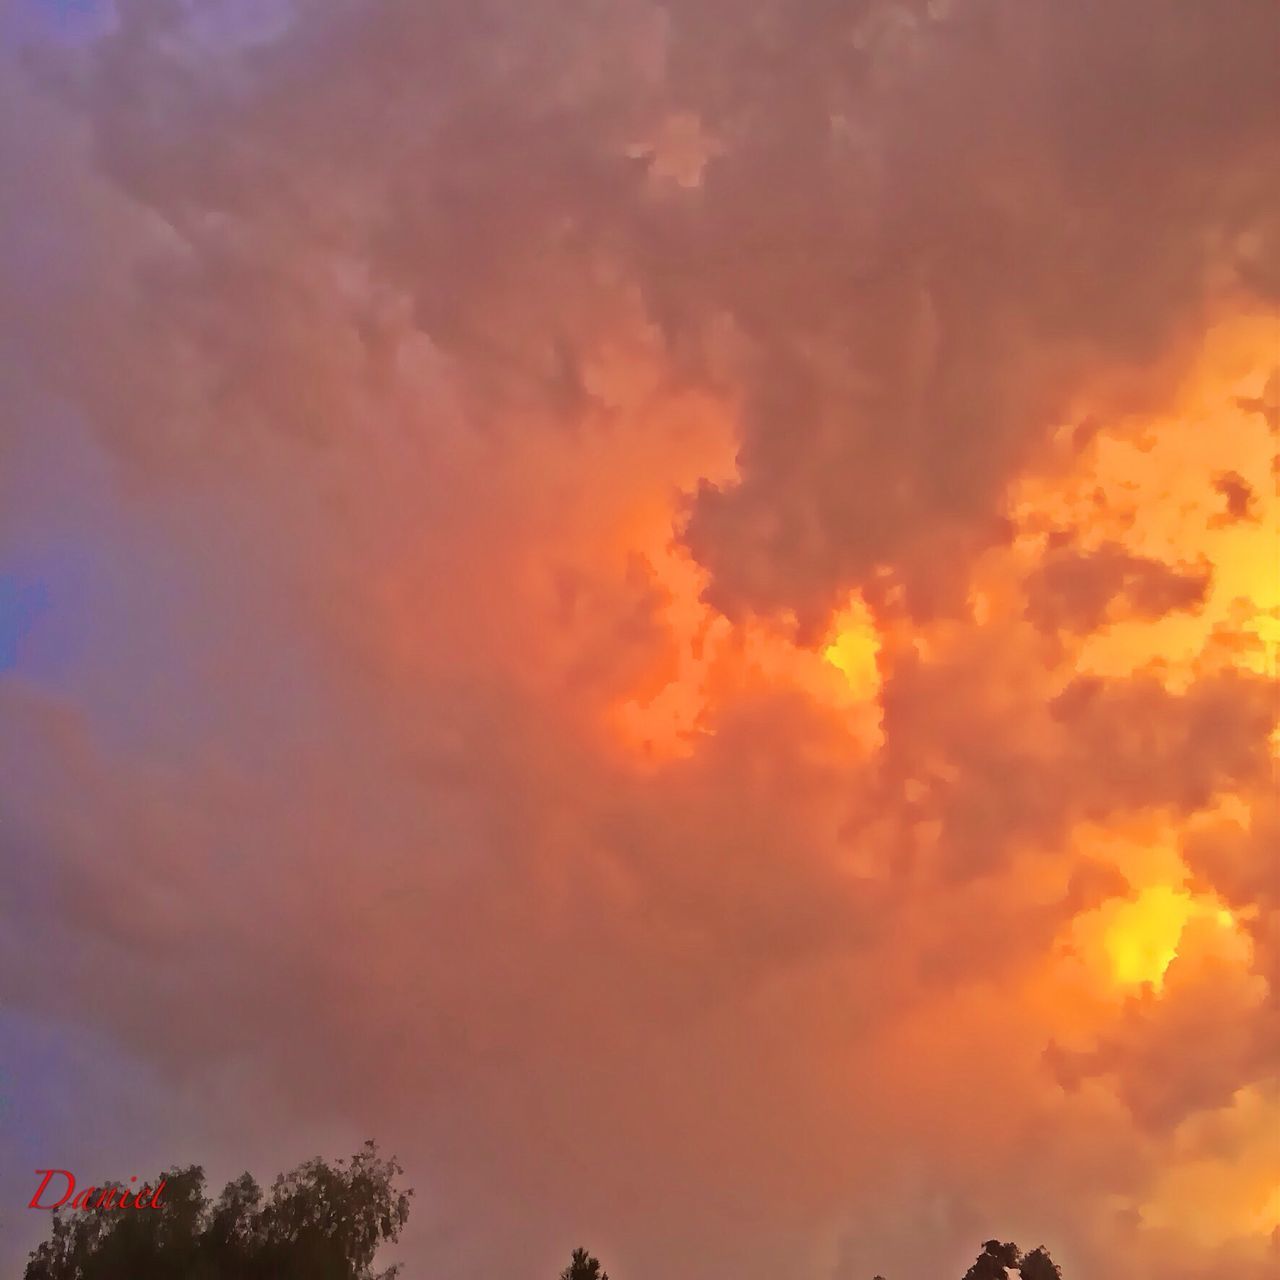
(441, 441)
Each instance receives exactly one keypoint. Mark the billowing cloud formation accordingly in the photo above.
(634, 600)
(1078, 590)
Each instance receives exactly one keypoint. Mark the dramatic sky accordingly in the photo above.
(670, 608)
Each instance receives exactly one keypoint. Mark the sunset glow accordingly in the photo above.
(670, 607)
(854, 648)
(1143, 935)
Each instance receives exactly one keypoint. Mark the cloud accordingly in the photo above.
(1007, 247)
(1237, 494)
(429, 391)
(1195, 1045)
(1077, 590)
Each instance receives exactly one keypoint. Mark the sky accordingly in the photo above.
(670, 609)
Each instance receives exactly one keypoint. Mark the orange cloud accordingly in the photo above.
(658, 629)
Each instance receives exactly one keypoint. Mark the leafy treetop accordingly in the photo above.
(319, 1222)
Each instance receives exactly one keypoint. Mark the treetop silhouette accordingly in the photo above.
(319, 1222)
(582, 1266)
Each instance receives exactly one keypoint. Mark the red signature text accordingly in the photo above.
(93, 1197)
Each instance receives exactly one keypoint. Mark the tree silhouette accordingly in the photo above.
(582, 1266)
(320, 1222)
(993, 1262)
(997, 1259)
(1037, 1265)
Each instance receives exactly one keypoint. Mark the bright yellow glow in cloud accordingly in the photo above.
(854, 649)
(716, 660)
(1142, 938)
(1153, 484)
(1266, 626)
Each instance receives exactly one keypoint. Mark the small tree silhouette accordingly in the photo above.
(994, 1260)
(582, 1266)
(1037, 1265)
